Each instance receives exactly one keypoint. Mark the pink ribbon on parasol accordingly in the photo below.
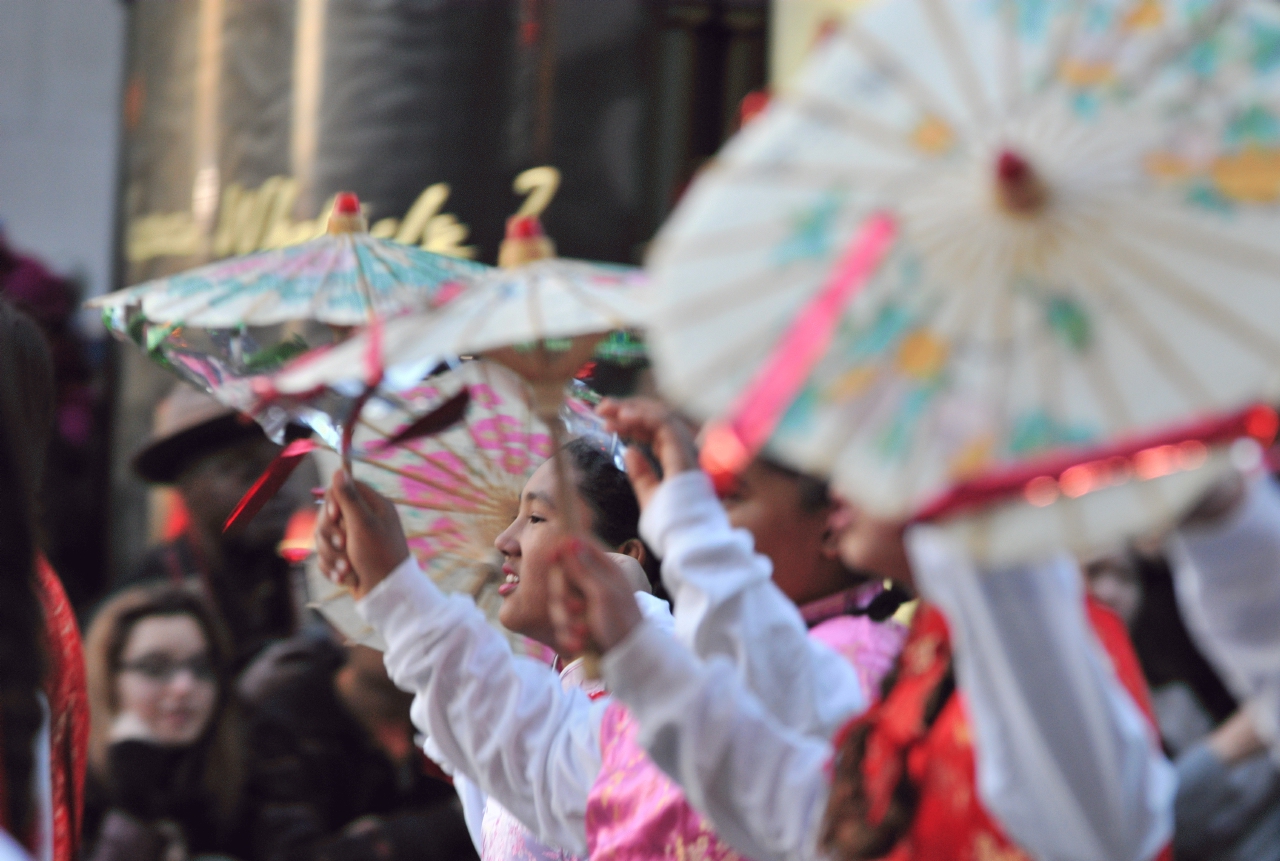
(728, 446)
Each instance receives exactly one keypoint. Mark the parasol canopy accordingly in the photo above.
(456, 490)
(224, 326)
(552, 299)
(344, 278)
(540, 315)
(1084, 196)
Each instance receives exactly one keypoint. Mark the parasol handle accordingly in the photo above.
(547, 399)
(349, 427)
(373, 371)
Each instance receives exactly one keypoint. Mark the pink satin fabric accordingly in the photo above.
(635, 812)
(871, 647)
(502, 836)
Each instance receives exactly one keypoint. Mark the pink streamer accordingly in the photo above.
(728, 446)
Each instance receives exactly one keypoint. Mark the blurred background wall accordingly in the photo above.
(60, 77)
(61, 65)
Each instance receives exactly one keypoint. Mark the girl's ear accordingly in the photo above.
(634, 548)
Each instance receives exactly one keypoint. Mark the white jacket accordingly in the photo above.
(1065, 759)
(1228, 586)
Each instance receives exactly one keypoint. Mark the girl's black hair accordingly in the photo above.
(815, 494)
(26, 418)
(615, 511)
(848, 834)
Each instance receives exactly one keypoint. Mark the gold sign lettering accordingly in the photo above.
(173, 234)
(257, 219)
(540, 184)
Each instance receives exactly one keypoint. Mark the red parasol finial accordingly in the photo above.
(524, 243)
(524, 227)
(346, 216)
(1019, 189)
(346, 203)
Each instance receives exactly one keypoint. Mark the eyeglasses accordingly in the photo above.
(160, 669)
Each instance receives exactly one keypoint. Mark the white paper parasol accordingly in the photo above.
(552, 299)
(1085, 200)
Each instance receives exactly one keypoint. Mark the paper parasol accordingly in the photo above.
(455, 491)
(539, 316)
(223, 325)
(344, 278)
(1084, 200)
(552, 299)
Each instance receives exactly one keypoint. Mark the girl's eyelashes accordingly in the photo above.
(533, 518)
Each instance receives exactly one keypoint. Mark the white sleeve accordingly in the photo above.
(502, 721)
(1065, 759)
(762, 786)
(727, 605)
(10, 849)
(469, 795)
(1228, 584)
(473, 801)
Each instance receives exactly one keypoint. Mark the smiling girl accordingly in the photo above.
(508, 729)
(529, 545)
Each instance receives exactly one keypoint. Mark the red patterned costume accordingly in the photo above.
(950, 822)
(69, 707)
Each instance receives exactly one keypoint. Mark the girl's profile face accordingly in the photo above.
(767, 503)
(529, 547)
(167, 679)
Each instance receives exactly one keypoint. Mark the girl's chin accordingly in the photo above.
(178, 736)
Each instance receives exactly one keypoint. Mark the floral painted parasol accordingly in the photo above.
(539, 316)
(991, 242)
(344, 278)
(455, 490)
(458, 489)
(551, 299)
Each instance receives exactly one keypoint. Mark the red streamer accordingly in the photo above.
(269, 483)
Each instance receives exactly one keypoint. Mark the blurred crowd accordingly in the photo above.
(224, 718)
(220, 717)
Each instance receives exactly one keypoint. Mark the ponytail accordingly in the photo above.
(853, 828)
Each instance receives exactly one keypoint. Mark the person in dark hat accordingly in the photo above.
(212, 455)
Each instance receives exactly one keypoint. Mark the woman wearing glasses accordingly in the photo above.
(164, 753)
